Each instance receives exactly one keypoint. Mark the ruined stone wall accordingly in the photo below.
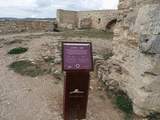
(135, 66)
(96, 19)
(25, 26)
(99, 18)
(67, 19)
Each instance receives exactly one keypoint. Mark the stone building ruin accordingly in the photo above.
(135, 65)
(96, 19)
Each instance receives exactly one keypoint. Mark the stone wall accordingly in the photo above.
(67, 19)
(96, 19)
(99, 18)
(135, 66)
(25, 26)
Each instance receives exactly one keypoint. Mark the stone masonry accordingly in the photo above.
(25, 26)
(96, 19)
(135, 66)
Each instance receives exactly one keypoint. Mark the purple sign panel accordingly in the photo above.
(77, 56)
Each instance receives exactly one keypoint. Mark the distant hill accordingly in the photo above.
(27, 19)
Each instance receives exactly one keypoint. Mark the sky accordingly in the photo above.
(47, 8)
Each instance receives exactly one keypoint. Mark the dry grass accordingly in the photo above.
(90, 33)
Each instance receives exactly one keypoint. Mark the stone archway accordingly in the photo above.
(110, 25)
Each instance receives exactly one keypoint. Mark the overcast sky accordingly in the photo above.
(47, 8)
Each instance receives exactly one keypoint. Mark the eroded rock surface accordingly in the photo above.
(150, 44)
(134, 68)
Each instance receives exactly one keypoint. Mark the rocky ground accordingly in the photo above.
(41, 97)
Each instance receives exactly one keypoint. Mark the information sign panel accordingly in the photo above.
(77, 56)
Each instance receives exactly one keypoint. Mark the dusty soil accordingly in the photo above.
(41, 97)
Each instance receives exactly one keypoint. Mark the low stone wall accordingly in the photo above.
(25, 26)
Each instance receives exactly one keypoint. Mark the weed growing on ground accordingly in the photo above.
(26, 67)
(124, 103)
(106, 56)
(18, 50)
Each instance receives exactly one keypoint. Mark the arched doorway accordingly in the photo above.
(110, 25)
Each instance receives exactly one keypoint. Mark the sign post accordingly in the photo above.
(77, 62)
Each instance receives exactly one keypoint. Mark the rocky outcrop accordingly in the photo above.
(135, 66)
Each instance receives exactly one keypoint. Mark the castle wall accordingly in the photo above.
(99, 18)
(96, 19)
(67, 19)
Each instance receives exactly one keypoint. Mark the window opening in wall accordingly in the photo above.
(111, 24)
(99, 20)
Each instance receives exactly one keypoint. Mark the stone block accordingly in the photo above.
(86, 23)
(150, 44)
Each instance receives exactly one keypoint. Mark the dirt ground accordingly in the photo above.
(41, 97)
